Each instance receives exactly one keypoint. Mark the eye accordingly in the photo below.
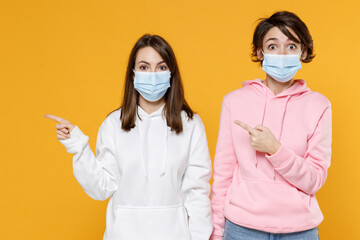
(143, 67)
(162, 67)
(272, 47)
(292, 46)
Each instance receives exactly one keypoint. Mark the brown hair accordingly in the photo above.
(174, 97)
(283, 20)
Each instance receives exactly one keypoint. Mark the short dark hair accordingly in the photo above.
(175, 101)
(283, 20)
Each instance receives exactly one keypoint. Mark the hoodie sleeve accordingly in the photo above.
(307, 173)
(97, 175)
(224, 165)
(196, 185)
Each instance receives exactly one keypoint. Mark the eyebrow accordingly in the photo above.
(149, 63)
(271, 39)
(160, 62)
(275, 39)
(144, 62)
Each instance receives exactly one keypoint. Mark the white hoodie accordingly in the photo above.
(157, 181)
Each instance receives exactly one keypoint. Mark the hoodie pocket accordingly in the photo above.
(163, 223)
(271, 204)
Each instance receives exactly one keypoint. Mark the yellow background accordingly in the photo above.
(68, 58)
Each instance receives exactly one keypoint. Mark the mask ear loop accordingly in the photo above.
(134, 72)
(301, 53)
(262, 52)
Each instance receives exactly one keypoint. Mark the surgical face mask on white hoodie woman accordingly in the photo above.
(151, 74)
(152, 85)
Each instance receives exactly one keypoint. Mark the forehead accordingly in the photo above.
(275, 32)
(149, 55)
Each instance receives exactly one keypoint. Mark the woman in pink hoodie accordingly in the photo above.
(274, 143)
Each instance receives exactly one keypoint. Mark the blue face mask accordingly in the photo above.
(281, 67)
(152, 85)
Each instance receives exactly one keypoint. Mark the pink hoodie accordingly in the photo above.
(271, 193)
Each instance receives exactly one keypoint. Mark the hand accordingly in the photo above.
(63, 129)
(262, 139)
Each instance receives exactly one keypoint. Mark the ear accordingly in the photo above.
(304, 54)
(259, 54)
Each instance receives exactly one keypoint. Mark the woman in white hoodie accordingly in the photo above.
(152, 157)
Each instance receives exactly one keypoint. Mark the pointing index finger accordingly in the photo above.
(56, 118)
(245, 126)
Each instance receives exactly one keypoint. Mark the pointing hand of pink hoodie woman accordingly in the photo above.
(262, 139)
(63, 128)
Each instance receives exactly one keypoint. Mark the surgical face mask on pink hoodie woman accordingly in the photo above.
(281, 67)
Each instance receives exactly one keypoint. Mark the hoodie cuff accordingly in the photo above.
(280, 157)
(76, 142)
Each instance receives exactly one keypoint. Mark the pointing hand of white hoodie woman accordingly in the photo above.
(63, 128)
(262, 139)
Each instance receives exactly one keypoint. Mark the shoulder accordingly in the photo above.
(321, 99)
(112, 120)
(317, 100)
(240, 94)
(194, 123)
(114, 114)
(235, 93)
(196, 119)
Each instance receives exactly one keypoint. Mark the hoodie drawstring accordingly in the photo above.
(142, 154)
(262, 123)
(164, 160)
(263, 117)
(283, 117)
(282, 126)
(143, 157)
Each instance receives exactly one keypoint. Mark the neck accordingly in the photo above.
(277, 87)
(150, 107)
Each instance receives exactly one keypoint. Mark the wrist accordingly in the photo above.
(275, 148)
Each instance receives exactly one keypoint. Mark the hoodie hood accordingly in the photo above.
(143, 114)
(144, 124)
(298, 88)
